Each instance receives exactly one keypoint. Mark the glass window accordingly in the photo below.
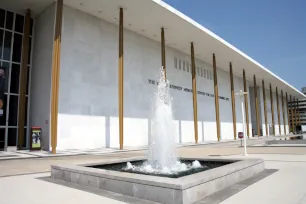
(17, 48)
(180, 64)
(183, 65)
(29, 51)
(15, 75)
(198, 71)
(13, 110)
(31, 26)
(1, 42)
(187, 67)
(9, 20)
(204, 73)
(26, 112)
(2, 137)
(210, 75)
(19, 21)
(28, 80)
(12, 137)
(25, 137)
(7, 45)
(3, 117)
(2, 17)
(6, 67)
(175, 63)
(201, 72)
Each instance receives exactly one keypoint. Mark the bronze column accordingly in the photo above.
(256, 107)
(194, 94)
(233, 100)
(283, 108)
(56, 73)
(278, 112)
(265, 106)
(216, 96)
(23, 79)
(298, 111)
(295, 113)
(288, 116)
(246, 104)
(292, 114)
(272, 109)
(120, 78)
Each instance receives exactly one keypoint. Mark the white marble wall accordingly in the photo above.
(88, 98)
(41, 73)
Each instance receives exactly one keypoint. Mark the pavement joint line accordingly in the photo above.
(99, 192)
(284, 161)
(24, 174)
(277, 153)
(228, 192)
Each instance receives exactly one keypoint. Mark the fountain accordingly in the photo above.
(161, 176)
(162, 159)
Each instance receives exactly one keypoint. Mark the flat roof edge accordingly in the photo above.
(215, 36)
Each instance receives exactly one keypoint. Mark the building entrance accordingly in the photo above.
(11, 37)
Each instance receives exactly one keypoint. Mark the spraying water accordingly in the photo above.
(162, 142)
(162, 158)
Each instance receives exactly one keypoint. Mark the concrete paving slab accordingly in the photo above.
(35, 191)
(287, 186)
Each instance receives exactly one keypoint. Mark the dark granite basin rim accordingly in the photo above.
(173, 183)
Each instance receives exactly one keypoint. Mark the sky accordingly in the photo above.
(273, 32)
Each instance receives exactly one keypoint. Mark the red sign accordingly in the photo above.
(240, 135)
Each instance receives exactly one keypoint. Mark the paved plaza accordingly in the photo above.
(284, 183)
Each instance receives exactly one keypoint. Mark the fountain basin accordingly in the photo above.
(184, 190)
(140, 168)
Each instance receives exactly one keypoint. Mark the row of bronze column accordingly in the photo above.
(283, 105)
(293, 110)
(163, 62)
(55, 83)
(194, 92)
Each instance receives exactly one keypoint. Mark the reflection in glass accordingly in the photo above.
(31, 26)
(1, 43)
(26, 138)
(2, 138)
(3, 117)
(12, 137)
(26, 112)
(9, 20)
(13, 110)
(29, 51)
(19, 23)
(28, 80)
(2, 17)
(17, 48)
(15, 75)
(7, 46)
(6, 67)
